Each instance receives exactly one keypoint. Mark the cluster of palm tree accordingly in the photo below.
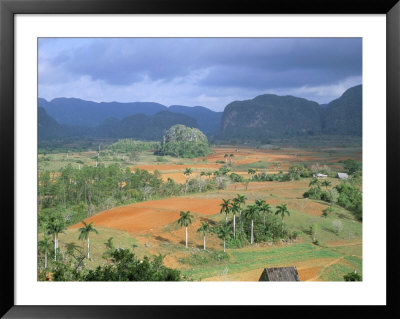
(251, 212)
(251, 172)
(230, 156)
(54, 228)
(316, 184)
(236, 207)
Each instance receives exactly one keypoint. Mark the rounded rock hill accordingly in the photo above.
(183, 141)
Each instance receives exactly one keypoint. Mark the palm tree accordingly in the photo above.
(109, 248)
(187, 173)
(230, 157)
(240, 200)
(226, 158)
(263, 207)
(209, 174)
(282, 210)
(55, 226)
(251, 172)
(202, 173)
(109, 243)
(204, 229)
(315, 182)
(326, 183)
(44, 246)
(185, 221)
(252, 212)
(223, 233)
(71, 247)
(84, 234)
(225, 208)
(234, 209)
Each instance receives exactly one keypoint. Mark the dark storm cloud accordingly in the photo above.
(231, 62)
(197, 71)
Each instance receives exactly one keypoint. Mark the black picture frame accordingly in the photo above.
(8, 9)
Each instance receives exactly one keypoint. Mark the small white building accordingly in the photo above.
(319, 175)
(342, 176)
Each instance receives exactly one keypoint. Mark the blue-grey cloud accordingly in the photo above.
(205, 64)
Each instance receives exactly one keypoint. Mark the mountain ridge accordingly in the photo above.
(264, 116)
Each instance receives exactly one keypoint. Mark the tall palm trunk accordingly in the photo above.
(204, 242)
(224, 245)
(234, 226)
(226, 219)
(186, 237)
(88, 247)
(252, 236)
(55, 247)
(45, 259)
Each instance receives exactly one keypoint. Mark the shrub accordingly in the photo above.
(352, 276)
(337, 226)
(327, 211)
(351, 166)
(313, 231)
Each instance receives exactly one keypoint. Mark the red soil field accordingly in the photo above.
(152, 215)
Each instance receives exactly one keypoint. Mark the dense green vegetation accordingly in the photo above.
(251, 223)
(346, 194)
(119, 265)
(182, 141)
(78, 193)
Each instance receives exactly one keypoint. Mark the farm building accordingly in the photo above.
(319, 175)
(280, 274)
(342, 176)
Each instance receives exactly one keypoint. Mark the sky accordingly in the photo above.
(210, 72)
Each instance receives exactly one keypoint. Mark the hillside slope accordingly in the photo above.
(344, 115)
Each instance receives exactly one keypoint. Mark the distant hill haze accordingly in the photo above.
(137, 126)
(77, 112)
(274, 116)
(264, 116)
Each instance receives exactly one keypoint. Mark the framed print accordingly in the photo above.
(166, 154)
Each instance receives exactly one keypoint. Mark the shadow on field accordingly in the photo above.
(159, 238)
(330, 230)
(343, 216)
(210, 221)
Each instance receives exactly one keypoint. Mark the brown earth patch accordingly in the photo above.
(151, 215)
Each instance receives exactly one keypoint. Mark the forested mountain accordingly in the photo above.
(79, 112)
(48, 127)
(141, 126)
(73, 111)
(138, 126)
(344, 115)
(275, 116)
(270, 115)
(209, 121)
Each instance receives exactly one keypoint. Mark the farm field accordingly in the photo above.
(153, 228)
